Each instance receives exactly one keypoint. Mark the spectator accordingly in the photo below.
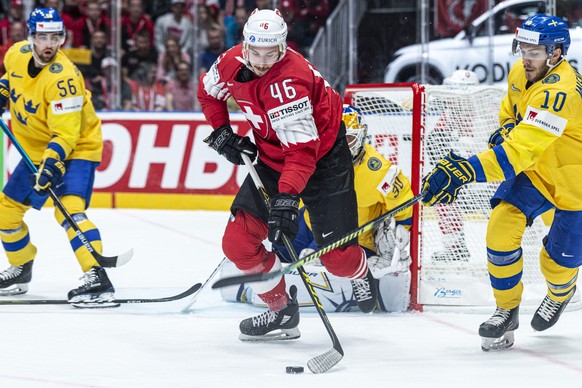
(156, 8)
(72, 8)
(228, 7)
(315, 13)
(92, 20)
(103, 90)
(297, 30)
(176, 24)
(99, 51)
(147, 94)
(234, 26)
(205, 21)
(209, 14)
(133, 23)
(214, 49)
(265, 4)
(16, 33)
(143, 53)
(180, 93)
(168, 60)
(16, 15)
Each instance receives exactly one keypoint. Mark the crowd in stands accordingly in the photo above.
(162, 47)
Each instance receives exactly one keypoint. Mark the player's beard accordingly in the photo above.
(46, 55)
(533, 73)
(261, 70)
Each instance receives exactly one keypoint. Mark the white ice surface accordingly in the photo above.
(155, 345)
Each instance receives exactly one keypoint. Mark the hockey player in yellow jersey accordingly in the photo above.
(380, 187)
(536, 153)
(54, 121)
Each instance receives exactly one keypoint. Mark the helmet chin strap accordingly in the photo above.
(550, 66)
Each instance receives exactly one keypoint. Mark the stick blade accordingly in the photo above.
(124, 258)
(325, 361)
(113, 261)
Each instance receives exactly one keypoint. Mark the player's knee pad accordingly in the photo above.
(11, 213)
(242, 242)
(347, 262)
(505, 228)
(560, 280)
(74, 205)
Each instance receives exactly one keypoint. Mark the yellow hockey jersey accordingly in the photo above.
(546, 142)
(51, 107)
(380, 187)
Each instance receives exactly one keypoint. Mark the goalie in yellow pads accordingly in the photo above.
(54, 121)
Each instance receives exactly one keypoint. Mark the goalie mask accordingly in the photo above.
(46, 34)
(541, 30)
(460, 79)
(264, 30)
(356, 131)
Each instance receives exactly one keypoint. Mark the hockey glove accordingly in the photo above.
(50, 172)
(443, 183)
(499, 135)
(283, 217)
(4, 94)
(230, 145)
(391, 242)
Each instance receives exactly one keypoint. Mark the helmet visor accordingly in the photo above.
(263, 55)
(529, 51)
(47, 40)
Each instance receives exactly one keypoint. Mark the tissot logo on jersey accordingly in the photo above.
(67, 105)
(545, 120)
(290, 111)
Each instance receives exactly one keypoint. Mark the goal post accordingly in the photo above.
(414, 126)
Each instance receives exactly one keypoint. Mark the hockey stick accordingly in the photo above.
(301, 262)
(20, 302)
(104, 261)
(212, 275)
(327, 360)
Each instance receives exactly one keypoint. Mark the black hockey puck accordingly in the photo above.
(294, 369)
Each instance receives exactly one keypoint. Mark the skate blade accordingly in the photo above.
(15, 289)
(92, 301)
(276, 335)
(497, 344)
(95, 305)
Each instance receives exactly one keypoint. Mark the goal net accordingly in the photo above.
(414, 126)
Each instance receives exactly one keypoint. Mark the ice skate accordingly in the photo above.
(365, 292)
(549, 312)
(14, 280)
(95, 292)
(273, 325)
(497, 332)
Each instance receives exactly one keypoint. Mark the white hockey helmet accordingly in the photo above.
(356, 130)
(265, 28)
(461, 79)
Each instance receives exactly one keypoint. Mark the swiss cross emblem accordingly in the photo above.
(258, 122)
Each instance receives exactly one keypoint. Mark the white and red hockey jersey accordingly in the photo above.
(295, 114)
